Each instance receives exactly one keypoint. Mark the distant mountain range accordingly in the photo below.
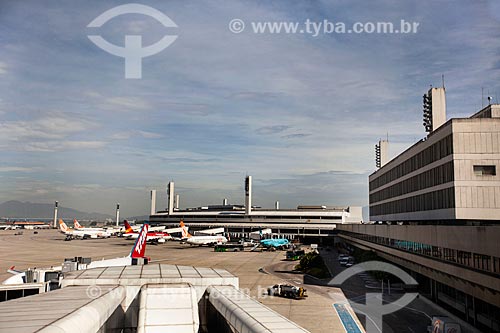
(139, 218)
(18, 209)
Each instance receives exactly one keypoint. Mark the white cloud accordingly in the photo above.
(126, 103)
(47, 133)
(121, 136)
(150, 135)
(52, 146)
(3, 67)
(135, 133)
(47, 127)
(17, 169)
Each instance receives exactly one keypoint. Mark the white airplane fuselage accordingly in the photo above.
(88, 233)
(205, 240)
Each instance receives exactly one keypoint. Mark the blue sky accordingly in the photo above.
(299, 113)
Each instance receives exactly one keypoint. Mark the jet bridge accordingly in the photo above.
(150, 298)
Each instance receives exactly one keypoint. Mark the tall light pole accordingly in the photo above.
(153, 202)
(117, 214)
(55, 214)
(248, 195)
(171, 196)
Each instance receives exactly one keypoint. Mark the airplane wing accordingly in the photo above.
(11, 270)
(174, 230)
(160, 228)
(213, 231)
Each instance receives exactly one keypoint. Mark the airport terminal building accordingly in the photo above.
(239, 220)
(436, 214)
(452, 176)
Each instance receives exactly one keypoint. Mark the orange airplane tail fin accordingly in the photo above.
(128, 228)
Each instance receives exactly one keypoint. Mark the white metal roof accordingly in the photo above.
(58, 311)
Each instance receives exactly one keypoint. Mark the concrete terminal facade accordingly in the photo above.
(437, 205)
(452, 176)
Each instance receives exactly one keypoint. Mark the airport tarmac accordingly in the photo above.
(315, 313)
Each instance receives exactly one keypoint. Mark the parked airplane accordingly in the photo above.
(137, 227)
(135, 257)
(152, 236)
(201, 240)
(9, 227)
(276, 242)
(78, 226)
(111, 230)
(161, 228)
(136, 254)
(212, 231)
(259, 234)
(76, 233)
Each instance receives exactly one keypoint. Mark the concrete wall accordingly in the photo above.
(476, 142)
(438, 107)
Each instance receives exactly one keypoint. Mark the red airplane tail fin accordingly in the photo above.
(139, 248)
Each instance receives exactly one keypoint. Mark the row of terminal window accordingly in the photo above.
(441, 199)
(464, 258)
(433, 177)
(436, 176)
(435, 152)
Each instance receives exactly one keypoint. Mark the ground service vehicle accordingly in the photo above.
(229, 247)
(344, 261)
(294, 255)
(286, 290)
(443, 325)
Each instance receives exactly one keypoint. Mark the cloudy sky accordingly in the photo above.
(299, 113)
